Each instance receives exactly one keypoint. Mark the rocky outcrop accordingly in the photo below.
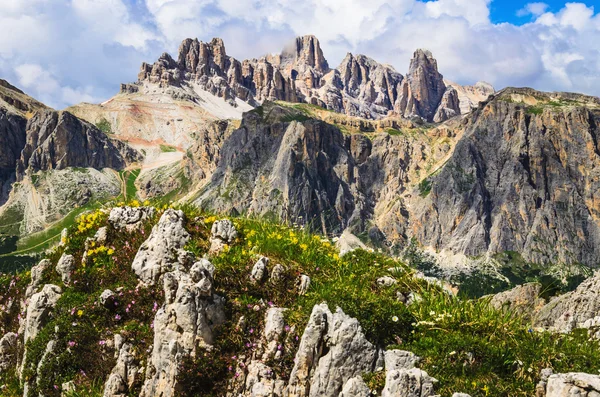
(223, 232)
(39, 309)
(523, 300)
(448, 107)
(57, 140)
(12, 142)
(308, 172)
(185, 322)
(65, 267)
(422, 90)
(403, 378)
(127, 372)
(8, 351)
(161, 251)
(569, 384)
(130, 218)
(576, 309)
(332, 351)
(470, 96)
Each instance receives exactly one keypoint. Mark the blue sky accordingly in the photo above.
(508, 10)
(67, 51)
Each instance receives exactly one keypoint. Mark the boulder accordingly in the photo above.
(222, 232)
(259, 271)
(573, 384)
(65, 267)
(39, 309)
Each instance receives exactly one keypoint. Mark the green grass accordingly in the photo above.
(167, 149)
(425, 187)
(394, 132)
(464, 343)
(536, 110)
(104, 126)
(130, 190)
(40, 241)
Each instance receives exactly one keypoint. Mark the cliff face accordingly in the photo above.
(305, 171)
(359, 86)
(57, 140)
(523, 178)
(519, 174)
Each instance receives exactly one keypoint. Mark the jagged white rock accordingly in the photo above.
(159, 252)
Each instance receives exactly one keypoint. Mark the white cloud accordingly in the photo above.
(85, 48)
(535, 9)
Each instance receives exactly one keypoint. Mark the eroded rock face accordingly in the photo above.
(161, 250)
(332, 351)
(57, 140)
(65, 267)
(37, 272)
(12, 142)
(222, 232)
(403, 378)
(518, 181)
(185, 322)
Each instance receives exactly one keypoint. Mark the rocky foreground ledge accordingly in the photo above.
(166, 321)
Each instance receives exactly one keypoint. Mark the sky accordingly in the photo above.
(63, 52)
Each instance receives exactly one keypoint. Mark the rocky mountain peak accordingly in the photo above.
(359, 87)
(308, 52)
(423, 89)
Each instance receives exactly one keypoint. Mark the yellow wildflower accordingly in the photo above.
(80, 312)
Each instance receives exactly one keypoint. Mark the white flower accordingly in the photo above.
(452, 353)
(395, 319)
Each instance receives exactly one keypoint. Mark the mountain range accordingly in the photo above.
(465, 172)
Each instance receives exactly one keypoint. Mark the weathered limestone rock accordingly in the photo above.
(386, 281)
(332, 351)
(355, 387)
(107, 299)
(274, 332)
(277, 274)
(524, 299)
(130, 218)
(259, 270)
(37, 272)
(448, 107)
(39, 308)
(159, 252)
(8, 351)
(182, 325)
(125, 375)
(408, 382)
(573, 384)
(303, 284)
(422, 90)
(65, 267)
(403, 378)
(57, 140)
(222, 232)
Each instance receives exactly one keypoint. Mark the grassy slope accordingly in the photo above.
(468, 346)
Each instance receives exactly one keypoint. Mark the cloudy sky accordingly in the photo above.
(67, 51)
